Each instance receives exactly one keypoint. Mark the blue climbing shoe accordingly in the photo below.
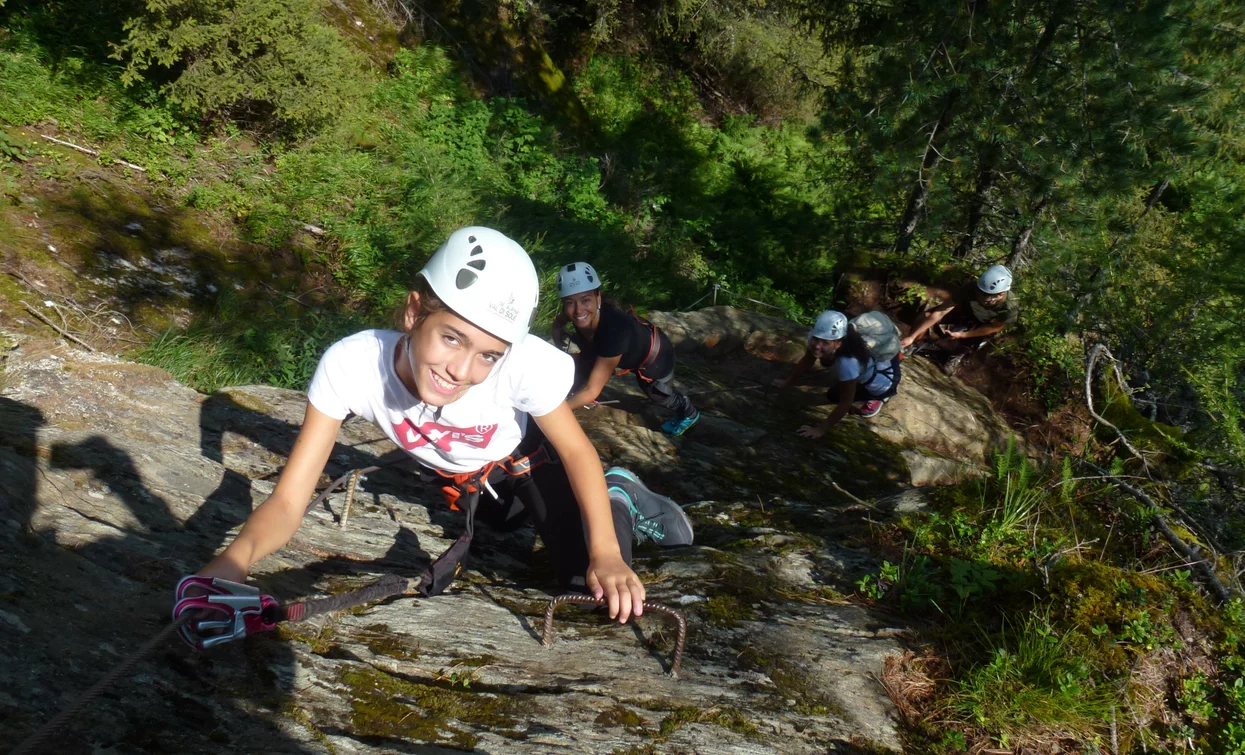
(653, 517)
(675, 426)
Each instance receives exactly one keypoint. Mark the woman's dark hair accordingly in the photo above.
(854, 345)
(429, 304)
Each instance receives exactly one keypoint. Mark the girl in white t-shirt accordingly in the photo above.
(466, 393)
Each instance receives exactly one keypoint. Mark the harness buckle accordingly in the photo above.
(225, 611)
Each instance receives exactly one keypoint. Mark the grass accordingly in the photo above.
(1053, 620)
(1031, 685)
(272, 348)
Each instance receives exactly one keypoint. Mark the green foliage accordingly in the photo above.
(249, 59)
(753, 56)
(1033, 680)
(237, 347)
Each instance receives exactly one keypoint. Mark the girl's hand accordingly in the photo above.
(812, 431)
(611, 578)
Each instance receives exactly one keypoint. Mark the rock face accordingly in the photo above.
(944, 428)
(115, 481)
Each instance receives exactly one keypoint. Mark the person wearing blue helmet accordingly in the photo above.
(858, 377)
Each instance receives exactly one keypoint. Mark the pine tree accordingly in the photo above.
(253, 59)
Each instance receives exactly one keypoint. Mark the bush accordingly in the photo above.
(254, 59)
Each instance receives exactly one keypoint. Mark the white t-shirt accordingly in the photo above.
(356, 376)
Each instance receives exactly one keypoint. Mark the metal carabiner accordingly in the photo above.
(234, 610)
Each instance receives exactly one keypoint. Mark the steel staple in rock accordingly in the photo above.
(587, 600)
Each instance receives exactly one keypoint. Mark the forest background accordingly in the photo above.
(772, 148)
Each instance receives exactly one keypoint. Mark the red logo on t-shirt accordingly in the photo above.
(442, 436)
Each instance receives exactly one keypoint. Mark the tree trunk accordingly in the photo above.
(1018, 258)
(919, 196)
(1156, 192)
(985, 180)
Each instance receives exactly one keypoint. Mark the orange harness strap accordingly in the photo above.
(466, 483)
(654, 347)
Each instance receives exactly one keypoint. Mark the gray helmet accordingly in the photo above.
(996, 279)
(577, 278)
(830, 326)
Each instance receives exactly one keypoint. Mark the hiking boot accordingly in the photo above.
(675, 426)
(871, 407)
(953, 365)
(653, 517)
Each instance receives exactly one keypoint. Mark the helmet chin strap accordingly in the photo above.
(410, 361)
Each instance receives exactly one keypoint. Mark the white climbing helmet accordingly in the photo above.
(995, 280)
(577, 278)
(487, 279)
(830, 326)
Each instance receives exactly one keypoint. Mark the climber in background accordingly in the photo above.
(611, 342)
(864, 356)
(968, 316)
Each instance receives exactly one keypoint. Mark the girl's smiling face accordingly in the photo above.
(822, 348)
(446, 355)
(582, 308)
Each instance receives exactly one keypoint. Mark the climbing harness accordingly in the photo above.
(462, 492)
(654, 348)
(674, 615)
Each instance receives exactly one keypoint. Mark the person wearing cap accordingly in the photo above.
(858, 378)
(976, 310)
(480, 406)
(614, 342)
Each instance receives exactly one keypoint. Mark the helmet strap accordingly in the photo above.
(410, 362)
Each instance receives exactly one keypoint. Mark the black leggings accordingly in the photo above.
(656, 380)
(545, 495)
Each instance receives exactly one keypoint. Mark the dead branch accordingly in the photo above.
(1191, 553)
(57, 328)
(91, 152)
(81, 311)
(835, 485)
(1094, 354)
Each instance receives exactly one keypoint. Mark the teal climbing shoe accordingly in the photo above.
(676, 426)
(653, 517)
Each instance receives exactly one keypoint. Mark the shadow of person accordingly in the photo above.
(81, 599)
(140, 553)
(19, 424)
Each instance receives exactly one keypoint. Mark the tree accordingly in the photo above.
(252, 59)
(1024, 107)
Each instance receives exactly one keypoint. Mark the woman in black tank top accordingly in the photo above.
(612, 341)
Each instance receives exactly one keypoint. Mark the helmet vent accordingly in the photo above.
(465, 278)
(477, 264)
(471, 239)
(477, 249)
